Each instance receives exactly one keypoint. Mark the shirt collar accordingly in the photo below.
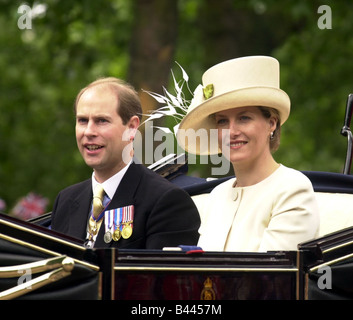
(112, 183)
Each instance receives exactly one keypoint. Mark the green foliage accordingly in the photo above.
(316, 72)
(43, 70)
(74, 42)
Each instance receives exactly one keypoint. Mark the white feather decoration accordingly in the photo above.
(175, 106)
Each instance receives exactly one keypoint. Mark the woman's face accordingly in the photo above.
(244, 134)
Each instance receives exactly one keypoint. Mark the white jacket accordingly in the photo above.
(275, 214)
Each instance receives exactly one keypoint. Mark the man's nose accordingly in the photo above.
(91, 129)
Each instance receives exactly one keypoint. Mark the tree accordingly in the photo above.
(152, 46)
(316, 73)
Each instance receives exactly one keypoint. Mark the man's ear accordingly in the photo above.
(133, 125)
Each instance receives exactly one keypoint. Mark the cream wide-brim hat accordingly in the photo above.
(241, 82)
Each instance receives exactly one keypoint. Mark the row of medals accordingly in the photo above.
(117, 234)
(109, 236)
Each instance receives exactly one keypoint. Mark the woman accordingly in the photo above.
(267, 206)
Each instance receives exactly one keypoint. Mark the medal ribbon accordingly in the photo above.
(128, 214)
(117, 218)
(101, 214)
(108, 220)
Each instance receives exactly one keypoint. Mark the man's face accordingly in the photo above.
(100, 132)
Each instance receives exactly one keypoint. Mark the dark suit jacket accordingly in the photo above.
(164, 215)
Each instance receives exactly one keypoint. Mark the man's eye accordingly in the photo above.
(81, 120)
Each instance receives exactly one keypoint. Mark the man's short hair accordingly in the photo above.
(128, 100)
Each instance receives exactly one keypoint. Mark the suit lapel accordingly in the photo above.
(79, 211)
(124, 196)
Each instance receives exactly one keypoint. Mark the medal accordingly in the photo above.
(92, 225)
(108, 221)
(116, 235)
(127, 231)
(117, 221)
(112, 225)
(107, 237)
(128, 217)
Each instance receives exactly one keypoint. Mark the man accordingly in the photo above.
(140, 209)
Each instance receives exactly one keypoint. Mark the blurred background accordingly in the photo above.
(50, 49)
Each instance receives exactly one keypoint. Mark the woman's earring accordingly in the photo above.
(271, 136)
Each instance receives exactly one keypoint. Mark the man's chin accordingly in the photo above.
(95, 165)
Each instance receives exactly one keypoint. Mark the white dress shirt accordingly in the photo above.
(109, 186)
(112, 183)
